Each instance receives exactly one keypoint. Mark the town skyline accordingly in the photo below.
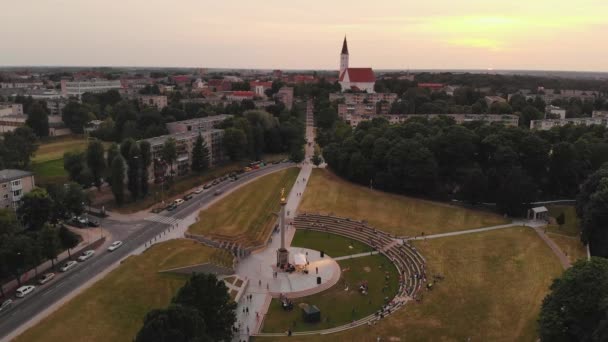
(390, 35)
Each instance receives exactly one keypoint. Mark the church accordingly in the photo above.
(355, 79)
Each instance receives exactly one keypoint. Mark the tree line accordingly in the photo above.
(474, 162)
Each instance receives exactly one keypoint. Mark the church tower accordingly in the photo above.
(344, 57)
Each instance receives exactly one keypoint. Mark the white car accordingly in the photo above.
(198, 190)
(68, 266)
(24, 290)
(6, 305)
(86, 254)
(115, 245)
(46, 278)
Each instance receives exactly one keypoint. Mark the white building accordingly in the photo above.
(547, 124)
(555, 112)
(355, 79)
(77, 88)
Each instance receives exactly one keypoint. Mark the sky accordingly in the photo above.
(307, 34)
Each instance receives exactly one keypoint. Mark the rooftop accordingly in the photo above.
(8, 175)
(179, 136)
(221, 117)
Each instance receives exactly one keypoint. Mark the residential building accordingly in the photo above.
(13, 185)
(15, 108)
(240, 95)
(55, 106)
(259, 88)
(553, 112)
(547, 124)
(490, 100)
(277, 74)
(157, 101)
(599, 114)
(505, 119)
(196, 125)
(184, 143)
(92, 126)
(77, 88)
(285, 95)
(10, 122)
(363, 97)
(355, 79)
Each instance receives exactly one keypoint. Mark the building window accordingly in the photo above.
(17, 193)
(5, 196)
(15, 183)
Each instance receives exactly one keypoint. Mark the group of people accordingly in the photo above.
(286, 303)
(364, 288)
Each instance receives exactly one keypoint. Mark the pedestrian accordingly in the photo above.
(260, 283)
(243, 309)
(267, 287)
(247, 311)
(317, 269)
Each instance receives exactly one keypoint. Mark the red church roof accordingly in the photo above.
(362, 75)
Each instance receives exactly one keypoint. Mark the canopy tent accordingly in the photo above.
(299, 259)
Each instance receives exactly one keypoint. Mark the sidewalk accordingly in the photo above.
(89, 236)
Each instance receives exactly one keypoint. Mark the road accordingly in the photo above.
(134, 235)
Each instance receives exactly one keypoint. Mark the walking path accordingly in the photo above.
(469, 231)
(563, 259)
(255, 302)
(359, 255)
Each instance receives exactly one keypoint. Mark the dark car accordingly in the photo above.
(207, 186)
(188, 196)
(93, 223)
(217, 193)
(157, 210)
(171, 207)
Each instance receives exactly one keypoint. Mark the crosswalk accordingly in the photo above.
(162, 219)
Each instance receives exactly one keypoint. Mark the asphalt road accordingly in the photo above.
(133, 234)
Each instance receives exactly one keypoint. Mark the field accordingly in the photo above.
(333, 245)
(400, 215)
(47, 163)
(248, 213)
(337, 305)
(113, 308)
(494, 284)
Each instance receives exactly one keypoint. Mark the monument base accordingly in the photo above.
(282, 257)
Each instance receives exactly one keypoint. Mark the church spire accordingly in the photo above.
(344, 47)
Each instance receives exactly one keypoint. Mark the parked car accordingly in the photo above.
(78, 221)
(215, 182)
(6, 305)
(24, 291)
(188, 196)
(217, 193)
(207, 186)
(68, 266)
(171, 207)
(198, 190)
(178, 201)
(157, 210)
(223, 178)
(86, 255)
(46, 278)
(114, 246)
(276, 162)
(92, 223)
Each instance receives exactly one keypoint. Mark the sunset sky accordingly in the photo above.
(384, 34)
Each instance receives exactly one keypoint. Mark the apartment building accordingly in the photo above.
(196, 125)
(157, 101)
(285, 95)
(547, 124)
(77, 88)
(13, 185)
(184, 145)
(505, 119)
(15, 108)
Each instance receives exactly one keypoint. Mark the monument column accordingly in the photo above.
(282, 252)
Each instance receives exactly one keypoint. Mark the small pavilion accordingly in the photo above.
(538, 214)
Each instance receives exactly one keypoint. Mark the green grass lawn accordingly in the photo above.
(339, 306)
(494, 284)
(327, 193)
(56, 147)
(50, 172)
(332, 244)
(113, 308)
(249, 212)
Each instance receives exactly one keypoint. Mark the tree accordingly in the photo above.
(296, 153)
(516, 191)
(112, 152)
(561, 219)
(169, 152)
(134, 171)
(576, 307)
(200, 155)
(75, 116)
(125, 147)
(316, 159)
(118, 176)
(74, 165)
(19, 147)
(9, 224)
(49, 242)
(67, 238)
(19, 254)
(146, 160)
(208, 295)
(35, 209)
(96, 161)
(38, 120)
(235, 143)
(177, 323)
